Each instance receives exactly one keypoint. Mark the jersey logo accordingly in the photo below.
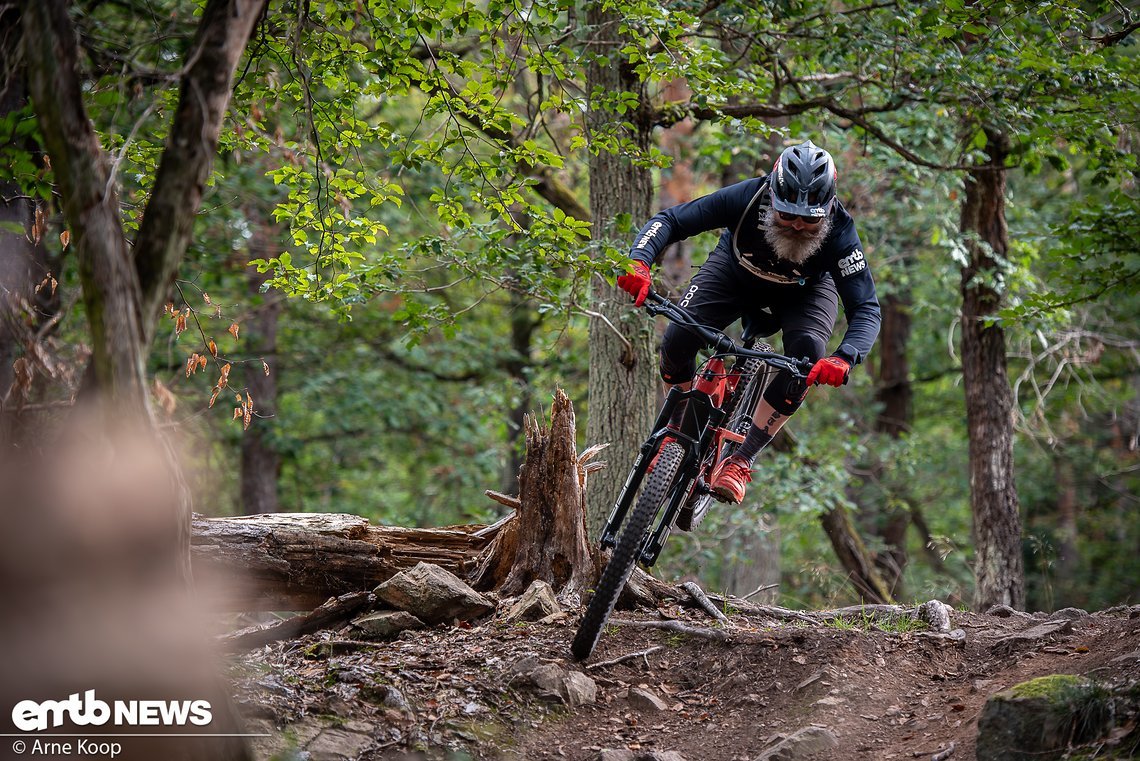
(649, 234)
(852, 263)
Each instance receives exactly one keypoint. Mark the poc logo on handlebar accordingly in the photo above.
(688, 296)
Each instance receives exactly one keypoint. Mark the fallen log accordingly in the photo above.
(296, 561)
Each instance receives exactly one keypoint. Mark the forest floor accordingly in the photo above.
(462, 693)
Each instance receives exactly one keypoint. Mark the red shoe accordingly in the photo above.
(730, 479)
(664, 443)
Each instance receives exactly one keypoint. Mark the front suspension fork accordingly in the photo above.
(645, 455)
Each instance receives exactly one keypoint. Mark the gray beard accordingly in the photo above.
(790, 245)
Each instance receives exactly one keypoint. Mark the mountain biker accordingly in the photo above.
(788, 254)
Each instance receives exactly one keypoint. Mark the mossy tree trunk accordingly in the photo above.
(998, 566)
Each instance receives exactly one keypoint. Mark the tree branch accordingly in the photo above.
(187, 160)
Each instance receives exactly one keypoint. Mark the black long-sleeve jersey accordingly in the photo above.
(742, 209)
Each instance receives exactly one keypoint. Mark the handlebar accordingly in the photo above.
(656, 304)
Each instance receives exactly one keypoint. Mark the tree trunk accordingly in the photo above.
(123, 290)
(188, 157)
(111, 293)
(1068, 508)
(260, 460)
(894, 391)
(622, 364)
(546, 538)
(524, 321)
(894, 395)
(998, 565)
(677, 186)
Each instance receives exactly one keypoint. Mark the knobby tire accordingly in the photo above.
(626, 551)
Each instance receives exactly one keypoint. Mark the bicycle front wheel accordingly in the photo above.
(654, 494)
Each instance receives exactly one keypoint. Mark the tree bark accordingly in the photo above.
(998, 565)
(622, 365)
(894, 395)
(122, 292)
(1068, 510)
(894, 391)
(188, 158)
(29, 300)
(524, 321)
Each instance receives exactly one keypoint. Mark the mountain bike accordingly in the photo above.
(668, 485)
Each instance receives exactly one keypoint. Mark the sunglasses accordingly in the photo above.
(788, 216)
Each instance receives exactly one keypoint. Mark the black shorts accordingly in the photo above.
(722, 291)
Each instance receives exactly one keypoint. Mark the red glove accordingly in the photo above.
(830, 370)
(636, 283)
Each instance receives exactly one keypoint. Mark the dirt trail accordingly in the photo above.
(456, 693)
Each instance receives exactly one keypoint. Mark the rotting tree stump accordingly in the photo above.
(546, 537)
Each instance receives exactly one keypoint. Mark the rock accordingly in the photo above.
(579, 689)
(1070, 614)
(524, 666)
(386, 695)
(552, 681)
(433, 594)
(801, 744)
(629, 755)
(386, 624)
(1032, 636)
(1124, 659)
(537, 602)
(646, 700)
(1004, 611)
(1038, 719)
(549, 679)
(337, 745)
(936, 614)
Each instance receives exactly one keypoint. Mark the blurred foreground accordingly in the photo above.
(106, 653)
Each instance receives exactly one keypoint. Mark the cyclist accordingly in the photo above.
(788, 254)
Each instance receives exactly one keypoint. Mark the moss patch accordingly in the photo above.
(1055, 688)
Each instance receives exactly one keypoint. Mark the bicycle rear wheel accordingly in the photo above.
(654, 493)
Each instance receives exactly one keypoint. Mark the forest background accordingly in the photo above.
(409, 234)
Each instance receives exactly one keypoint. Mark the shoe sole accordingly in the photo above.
(726, 496)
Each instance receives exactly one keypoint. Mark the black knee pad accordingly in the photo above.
(785, 393)
(678, 355)
(674, 372)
